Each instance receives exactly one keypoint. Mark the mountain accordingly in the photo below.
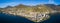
(34, 13)
(53, 6)
(21, 6)
(9, 7)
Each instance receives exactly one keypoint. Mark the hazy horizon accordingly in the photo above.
(4, 3)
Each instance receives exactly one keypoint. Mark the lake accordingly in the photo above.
(9, 18)
(54, 18)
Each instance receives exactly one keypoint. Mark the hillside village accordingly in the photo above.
(33, 13)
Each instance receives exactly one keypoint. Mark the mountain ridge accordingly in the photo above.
(30, 12)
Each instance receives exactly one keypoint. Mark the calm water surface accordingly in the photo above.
(8, 18)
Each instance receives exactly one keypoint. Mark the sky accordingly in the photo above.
(4, 3)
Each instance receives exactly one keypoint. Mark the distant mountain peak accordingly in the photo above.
(8, 7)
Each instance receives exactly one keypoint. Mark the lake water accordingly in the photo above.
(54, 18)
(8, 18)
